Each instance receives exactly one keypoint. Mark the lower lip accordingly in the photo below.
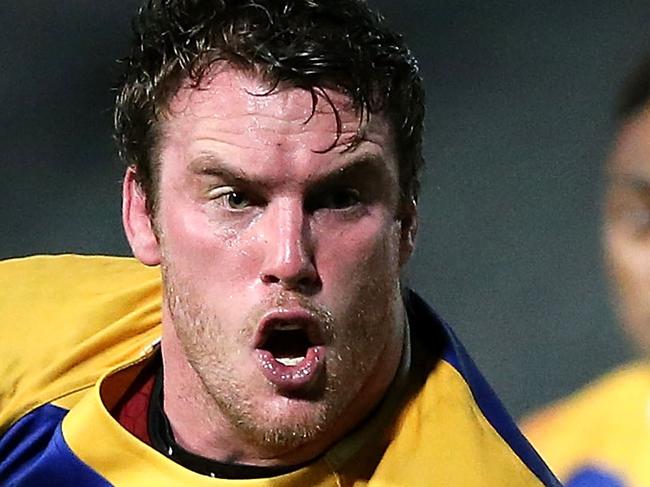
(292, 378)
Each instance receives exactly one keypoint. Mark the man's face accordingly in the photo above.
(280, 258)
(627, 226)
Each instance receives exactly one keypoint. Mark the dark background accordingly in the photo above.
(519, 103)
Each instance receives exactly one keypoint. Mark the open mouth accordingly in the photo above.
(288, 343)
(290, 350)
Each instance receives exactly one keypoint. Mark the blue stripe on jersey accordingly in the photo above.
(33, 452)
(455, 354)
(593, 477)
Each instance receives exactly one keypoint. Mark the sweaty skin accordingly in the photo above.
(627, 226)
(256, 218)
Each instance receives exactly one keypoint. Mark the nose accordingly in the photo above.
(288, 249)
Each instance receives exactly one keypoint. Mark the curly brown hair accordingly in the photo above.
(309, 44)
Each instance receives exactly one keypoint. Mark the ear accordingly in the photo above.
(409, 229)
(137, 221)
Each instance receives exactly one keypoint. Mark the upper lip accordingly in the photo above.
(295, 316)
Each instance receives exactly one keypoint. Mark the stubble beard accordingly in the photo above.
(201, 335)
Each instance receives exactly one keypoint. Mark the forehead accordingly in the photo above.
(631, 152)
(242, 103)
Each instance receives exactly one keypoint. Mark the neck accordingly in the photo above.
(192, 413)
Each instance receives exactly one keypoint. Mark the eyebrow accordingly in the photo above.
(367, 166)
(212, 165)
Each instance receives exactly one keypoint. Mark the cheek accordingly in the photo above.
(201, 247)
(367, 248)
(626, 260)
(628, 264)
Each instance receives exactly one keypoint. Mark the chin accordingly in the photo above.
(288, 423)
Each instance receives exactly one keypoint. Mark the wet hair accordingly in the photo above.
(309, 44)
(635, 93)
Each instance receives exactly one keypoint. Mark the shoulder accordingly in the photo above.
(65, 320)
(457, 411)
(66, 268)
(597, 425)
(50, 300)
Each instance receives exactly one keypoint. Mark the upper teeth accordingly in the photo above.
(287, 326)
(290, 361)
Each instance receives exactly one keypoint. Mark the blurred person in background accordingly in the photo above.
(600, 435)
